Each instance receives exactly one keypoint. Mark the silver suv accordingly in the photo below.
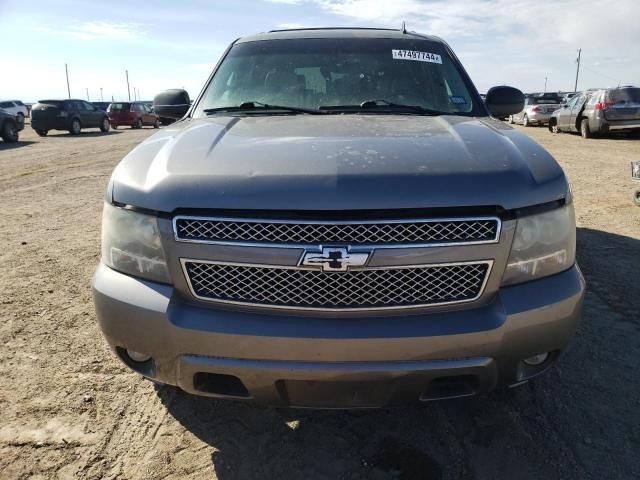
(337, 221)
(615, 109)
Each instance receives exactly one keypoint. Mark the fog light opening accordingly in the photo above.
(536, 360)
(139, 357)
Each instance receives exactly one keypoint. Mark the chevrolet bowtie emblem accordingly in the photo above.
(334, 259)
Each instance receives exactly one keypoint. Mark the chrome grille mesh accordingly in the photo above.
(358, 289)
(389, 232)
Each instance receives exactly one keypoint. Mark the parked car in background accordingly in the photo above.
(15, 107)
(10, 125)
(132, 114)
(101, 105)
(610, 110)
(537, 110)
(71, 115)
(569, 116)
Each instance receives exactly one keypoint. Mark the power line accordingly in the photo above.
(602, 74)
(575, 88)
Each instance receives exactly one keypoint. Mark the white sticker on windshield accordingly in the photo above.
(416, 56)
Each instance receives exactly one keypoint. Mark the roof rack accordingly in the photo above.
(331, 28)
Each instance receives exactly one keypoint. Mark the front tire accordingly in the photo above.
(585, 131)
(156, 124)
(76, 128)
(9, 132)
(105, 125)
(553, 126)
(525, 121)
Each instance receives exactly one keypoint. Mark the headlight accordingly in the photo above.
(131, 244)
(543, 245)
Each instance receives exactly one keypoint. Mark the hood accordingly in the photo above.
(337, 162)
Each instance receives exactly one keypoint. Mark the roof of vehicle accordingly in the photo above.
(61, 100)
(337, 32)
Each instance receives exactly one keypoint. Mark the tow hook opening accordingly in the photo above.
(454, 386)
(220, 384)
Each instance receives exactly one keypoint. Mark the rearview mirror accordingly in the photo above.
(173, 103)
(504, 101)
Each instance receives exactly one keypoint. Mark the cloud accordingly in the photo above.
(99, 30)
(286, 26)
(564, 23)
(516, 41)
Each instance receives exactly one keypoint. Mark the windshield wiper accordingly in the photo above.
(248, 106)
(371, 104)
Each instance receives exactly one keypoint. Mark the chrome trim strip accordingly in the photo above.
(184, 261)
(337, 222)
(630, 126)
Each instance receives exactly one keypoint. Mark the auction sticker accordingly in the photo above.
(416, 56)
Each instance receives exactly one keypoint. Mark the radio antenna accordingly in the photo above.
(404, 27)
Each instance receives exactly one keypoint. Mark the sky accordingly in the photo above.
(175, 44)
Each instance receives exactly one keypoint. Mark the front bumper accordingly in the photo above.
(325, 362)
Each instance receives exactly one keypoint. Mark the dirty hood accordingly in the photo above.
(337, 162)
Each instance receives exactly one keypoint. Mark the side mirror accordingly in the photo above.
(173, 103)
(504, 101)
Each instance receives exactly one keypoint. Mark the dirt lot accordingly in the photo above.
(71, 410)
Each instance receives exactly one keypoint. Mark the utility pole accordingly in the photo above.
(101, 97)
(126, 72)
(87, 94)
(575, 88)
(66, 70)
(545, 84)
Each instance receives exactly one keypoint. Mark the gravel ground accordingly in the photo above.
(71, 410)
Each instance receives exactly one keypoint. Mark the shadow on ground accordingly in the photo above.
(83, 134)
(11, 146)
(576, 421)
(611, 266)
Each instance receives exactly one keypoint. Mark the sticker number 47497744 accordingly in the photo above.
(416, 56)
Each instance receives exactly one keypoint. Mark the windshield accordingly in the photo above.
(341, 72)
(119, 107)
(544, 100)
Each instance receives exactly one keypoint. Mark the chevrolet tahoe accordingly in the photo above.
(338, 220)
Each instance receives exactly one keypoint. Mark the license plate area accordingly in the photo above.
(328, 394)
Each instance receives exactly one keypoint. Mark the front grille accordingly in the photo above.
(448, 231)
(359, 289)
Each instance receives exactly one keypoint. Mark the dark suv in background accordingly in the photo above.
(71, 115)
(10, 125)
(133, 114)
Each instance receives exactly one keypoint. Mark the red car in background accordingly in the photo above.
(133, 114)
